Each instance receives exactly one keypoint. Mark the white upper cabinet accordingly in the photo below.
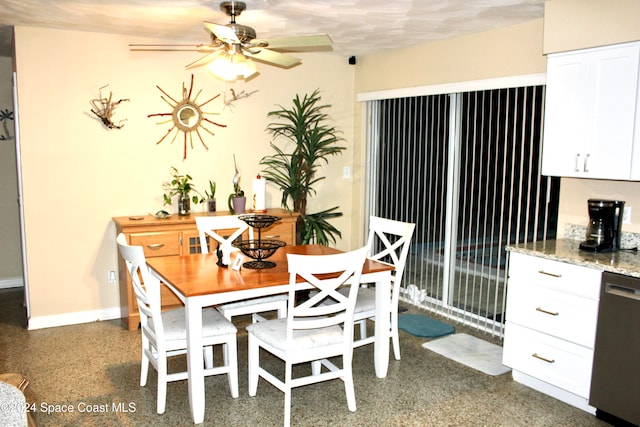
(590, 113)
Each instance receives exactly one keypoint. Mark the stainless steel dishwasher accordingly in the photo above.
(615, 381)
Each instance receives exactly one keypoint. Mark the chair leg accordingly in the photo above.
(363, 328)
(144, 368)
(316, 367)
(231, 361)
(395, 339)
(348, 385)
(282, 311)
(208, 357)
(162, 383)
(253, 364)
(287, 393)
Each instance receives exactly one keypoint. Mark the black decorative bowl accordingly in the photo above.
(259, 250)
(259, 221)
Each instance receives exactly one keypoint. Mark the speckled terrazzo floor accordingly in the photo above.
(97, 365)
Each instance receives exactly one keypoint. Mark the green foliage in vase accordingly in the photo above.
(182, 186)
(305, 124)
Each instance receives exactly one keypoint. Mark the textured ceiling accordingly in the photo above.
(357, 27)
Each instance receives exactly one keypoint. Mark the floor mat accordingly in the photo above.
(423, 326)
(470, 351)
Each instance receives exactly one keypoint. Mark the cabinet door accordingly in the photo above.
(590, 112)
(612, 112)
(565, 115)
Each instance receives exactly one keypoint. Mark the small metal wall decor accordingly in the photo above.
(4, 116)
(232, 97)
(104, 107)
(187, 116)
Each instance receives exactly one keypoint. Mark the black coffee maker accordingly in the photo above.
(605, 223)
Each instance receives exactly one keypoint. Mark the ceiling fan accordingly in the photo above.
(233, 47)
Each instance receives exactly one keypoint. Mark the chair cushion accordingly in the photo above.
(366, 299)
(274, 332)
(213, 324)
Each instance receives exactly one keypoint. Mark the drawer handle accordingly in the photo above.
(155, 246)
(275, 236)
(544, 359)
(552, 313)
(546, 273)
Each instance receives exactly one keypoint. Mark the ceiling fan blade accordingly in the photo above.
(274, 58)
(222, 32)
(300, 42)
(204, 60)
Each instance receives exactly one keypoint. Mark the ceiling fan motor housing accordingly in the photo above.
(244, 33)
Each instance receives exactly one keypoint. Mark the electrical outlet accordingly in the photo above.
(626, 215)
(111, 277)
(346, 172)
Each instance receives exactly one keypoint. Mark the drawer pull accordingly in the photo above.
(155, 246)
(544, 359)
(542, 310)
(275, 236)
(546, 273)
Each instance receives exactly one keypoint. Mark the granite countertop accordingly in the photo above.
(625, 262)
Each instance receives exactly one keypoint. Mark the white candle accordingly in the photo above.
(259, 194)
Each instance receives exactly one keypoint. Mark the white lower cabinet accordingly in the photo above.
(551, 316)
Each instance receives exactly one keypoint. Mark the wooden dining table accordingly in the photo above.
(199, 282)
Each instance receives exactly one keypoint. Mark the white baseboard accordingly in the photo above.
(11, 282)
(65, 319)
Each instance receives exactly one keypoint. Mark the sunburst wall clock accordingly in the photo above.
(187, 117)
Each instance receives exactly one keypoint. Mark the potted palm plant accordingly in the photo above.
(295, 173)
(181, 186)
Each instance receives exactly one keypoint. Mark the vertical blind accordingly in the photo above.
(465, 168)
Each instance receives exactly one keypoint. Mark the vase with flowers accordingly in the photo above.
(237, 200)
(181, 186)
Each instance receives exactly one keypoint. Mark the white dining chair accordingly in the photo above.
(313, 331)
(210, 227)
(389, 242)
(164, 332)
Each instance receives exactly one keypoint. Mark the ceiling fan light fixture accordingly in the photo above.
(231, 66)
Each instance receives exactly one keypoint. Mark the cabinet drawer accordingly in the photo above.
(280, 231)
(157, 244)
(555, 275)
(555, 361)
(555, 313)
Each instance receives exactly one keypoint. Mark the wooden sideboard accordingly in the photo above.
(178, 235)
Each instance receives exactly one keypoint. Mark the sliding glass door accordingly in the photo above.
(465, 168)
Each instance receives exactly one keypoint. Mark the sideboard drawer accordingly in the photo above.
(157, 244)
(280, 231)
(549, 359)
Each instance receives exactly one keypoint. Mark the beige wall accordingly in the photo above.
(579, 24)
(77, 174)
(509, 51)
(10, 255)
